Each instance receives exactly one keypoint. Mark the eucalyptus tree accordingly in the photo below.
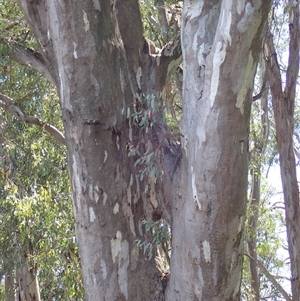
(283, 100)
(123, 162)
(39, 257)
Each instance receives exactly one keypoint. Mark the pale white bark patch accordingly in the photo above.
(240, 6)
(129, 195)
(206, 251)
(115, 245)
(120, 255)
(105, 156)
(199, 284)
(75, 55)
(127, 207)
(117, 178)
(122, 81)
(94, 279)
(76, 183)
(140, 228)
(64, 91)
(130, 125)
(116, 208)
(241, 224)
(242, 146)
(91, 191)
(219, 57)
(131, 224)
(184, 142)
(104, 198)
(96, 194)
(103, 269)
(225, 25)
(138, 191)
(92, 214)
(122, 269)
(246, 83)
(95, 84)
(117, 142)
(194, 9)
(243, 24)
(96, 4)
(138, 77)
(203, 51)
(215, 271)
(86, 22)
(194, 188)
(152, 193)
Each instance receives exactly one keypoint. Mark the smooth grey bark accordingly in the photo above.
(221, 42)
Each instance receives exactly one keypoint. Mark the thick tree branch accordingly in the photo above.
(262, 90)
(10, 106)
(33, 59)
(271, 278)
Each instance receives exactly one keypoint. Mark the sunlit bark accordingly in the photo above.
(220, 53)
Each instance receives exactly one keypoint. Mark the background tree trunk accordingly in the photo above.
(257, 158)
(26, 277)
(283, 104)
(9, 286)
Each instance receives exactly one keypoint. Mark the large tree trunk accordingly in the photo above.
(221, 42)
(283, 105)
(84, 53)
(101, 88)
